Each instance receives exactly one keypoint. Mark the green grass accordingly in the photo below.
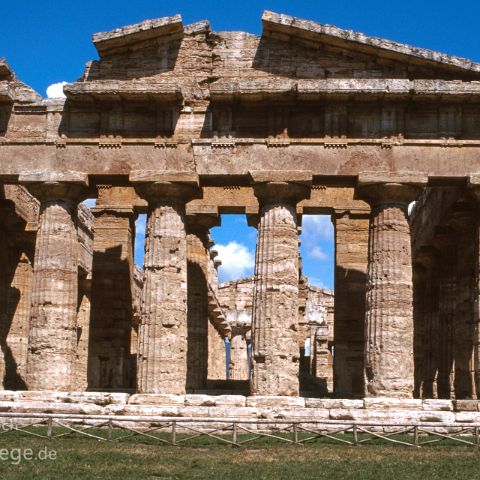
(137, 458)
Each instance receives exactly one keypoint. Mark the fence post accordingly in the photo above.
(110, 427)
(174, 432)
(234, 433)
(355, 434)
(415, 433)
(49, 427)
(295, 433)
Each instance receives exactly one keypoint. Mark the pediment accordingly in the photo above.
(356, 46)
(193, 57)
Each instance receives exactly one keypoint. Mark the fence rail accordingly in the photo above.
(181, 431)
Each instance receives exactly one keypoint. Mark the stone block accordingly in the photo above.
(51, 407)
(97, 398)
(349, 414)
(273, 401)
(194, 411)
(156, 399)
(234, 412)
(438, 416)
(200, 400)
(335, 403)
(230, 400)
(8, 396)
(307, 414)
(466, 405)
(392, 403)
(467, 417)
(149, 410)
(436, 404)
(41, 396)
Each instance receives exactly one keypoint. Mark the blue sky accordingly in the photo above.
(46, 42)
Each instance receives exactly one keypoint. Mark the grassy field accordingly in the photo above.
(77, 457)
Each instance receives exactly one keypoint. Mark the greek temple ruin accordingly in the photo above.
(185, 125)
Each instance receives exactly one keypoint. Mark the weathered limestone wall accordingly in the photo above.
(238, 407)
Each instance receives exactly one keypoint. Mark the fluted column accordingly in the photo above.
(238, 369)
(419, 327)
(463, 222)
(445, 241)
(4, 287)
(275, 299)
(112, 297)
(428, 371)
(53, 321)
(474, 184)
(351, 261)
(162, 349)
(198, 257)
(389, 366)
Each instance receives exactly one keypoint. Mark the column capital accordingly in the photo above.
(387, 188)
(62, 185)
(281, 186)
(156, 187)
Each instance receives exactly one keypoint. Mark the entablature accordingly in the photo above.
(123, 91)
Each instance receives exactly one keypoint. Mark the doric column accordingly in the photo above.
(238, 369)
(419, 326)
(351, 261)
(83, 329)
(445, 241)
(389, 367)
(198, 256)
(474, 184)
(16, 255)
(112, 299)
(53, 321)
(162, 355)
(4, 288)
(426, 321)
(275, 300)
(463, 222)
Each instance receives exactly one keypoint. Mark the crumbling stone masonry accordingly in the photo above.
(185, 124)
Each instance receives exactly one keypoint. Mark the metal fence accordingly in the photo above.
(177, 431)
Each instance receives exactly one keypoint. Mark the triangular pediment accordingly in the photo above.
(163, 60)
(356, 45)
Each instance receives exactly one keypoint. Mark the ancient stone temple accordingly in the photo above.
(185, 124)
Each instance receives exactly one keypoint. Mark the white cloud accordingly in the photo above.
(317, 226)
(317, 252)
(410, 207)
(140, 226)
(317, 282)
(237, 261)
(55, 90)
(317, 236)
